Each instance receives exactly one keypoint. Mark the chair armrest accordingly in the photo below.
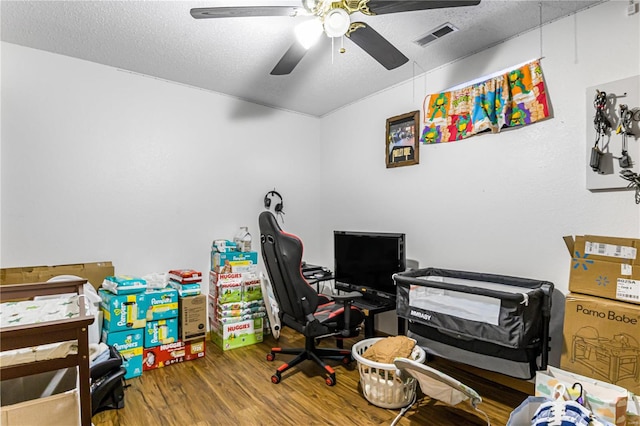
(347, 299)
(346, 296)
(343, 297)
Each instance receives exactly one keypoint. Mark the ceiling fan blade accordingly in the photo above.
(377, 46)
(381, 7)
(290, 59)
(244, 11)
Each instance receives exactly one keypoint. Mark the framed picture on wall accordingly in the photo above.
(401, 147)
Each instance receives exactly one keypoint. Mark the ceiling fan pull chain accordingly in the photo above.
(332, 50)
(342, 49)
(540, 7)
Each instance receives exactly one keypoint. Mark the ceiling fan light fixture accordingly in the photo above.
(308, 32)
(310, 5)
(336, 22)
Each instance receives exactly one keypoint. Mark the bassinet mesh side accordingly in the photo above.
(512, 346)
(519, 324)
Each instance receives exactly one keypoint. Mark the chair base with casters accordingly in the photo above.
(313, 335)
(300, 307)
(310, 351)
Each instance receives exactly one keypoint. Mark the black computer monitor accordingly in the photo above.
(366, 261)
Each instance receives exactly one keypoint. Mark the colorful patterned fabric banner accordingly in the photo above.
(512, 99)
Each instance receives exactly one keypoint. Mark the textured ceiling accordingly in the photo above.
(234, 56)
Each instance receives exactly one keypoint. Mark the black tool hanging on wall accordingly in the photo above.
(602, 126)
(634, 181)
(626, 115)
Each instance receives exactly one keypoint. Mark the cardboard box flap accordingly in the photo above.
(610, 249)
(570, 243)
(93, 272)
(624, 250)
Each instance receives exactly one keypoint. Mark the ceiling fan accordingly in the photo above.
(333, 18)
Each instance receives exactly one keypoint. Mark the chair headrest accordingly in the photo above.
(267, 221)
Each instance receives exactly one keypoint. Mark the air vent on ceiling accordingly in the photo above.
(435, 34)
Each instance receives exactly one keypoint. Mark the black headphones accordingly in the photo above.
(267, 201)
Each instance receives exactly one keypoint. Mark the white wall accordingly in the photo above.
(491, 203)
(99, 164)
(495, 203)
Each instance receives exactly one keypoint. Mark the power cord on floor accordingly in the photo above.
(484, 414)
(404, 410)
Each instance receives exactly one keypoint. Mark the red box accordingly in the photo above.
(171, 353)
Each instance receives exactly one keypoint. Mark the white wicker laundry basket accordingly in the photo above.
(381, 383)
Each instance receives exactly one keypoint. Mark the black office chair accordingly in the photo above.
(301, 307)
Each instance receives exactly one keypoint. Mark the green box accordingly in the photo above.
(251, 289)
(237, 334)
(228, 288)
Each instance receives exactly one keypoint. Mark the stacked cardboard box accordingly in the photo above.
(162, 317)
(193, 317)
(236, 308)
(173, 353)
(177, 331)
(124, 310)
(602, 310)
(143, 324)
(192, 304)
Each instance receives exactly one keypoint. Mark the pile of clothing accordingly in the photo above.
(564, 409)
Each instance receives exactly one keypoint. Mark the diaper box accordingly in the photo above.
(186, 290)
(185, 276)
(237, 334)
(130, 345)
(161, 303)
(244, 266)
(124, 284)
(223, 262)
(251, 288)
(122, 311)
(234, 313)
(161, 332)
(172, 353)
(226, 288)
(215, 277)
(223, 246)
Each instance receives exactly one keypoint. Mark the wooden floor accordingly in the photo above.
(234, 388)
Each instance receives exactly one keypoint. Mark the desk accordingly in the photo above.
(313, 280)
(369, 308)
